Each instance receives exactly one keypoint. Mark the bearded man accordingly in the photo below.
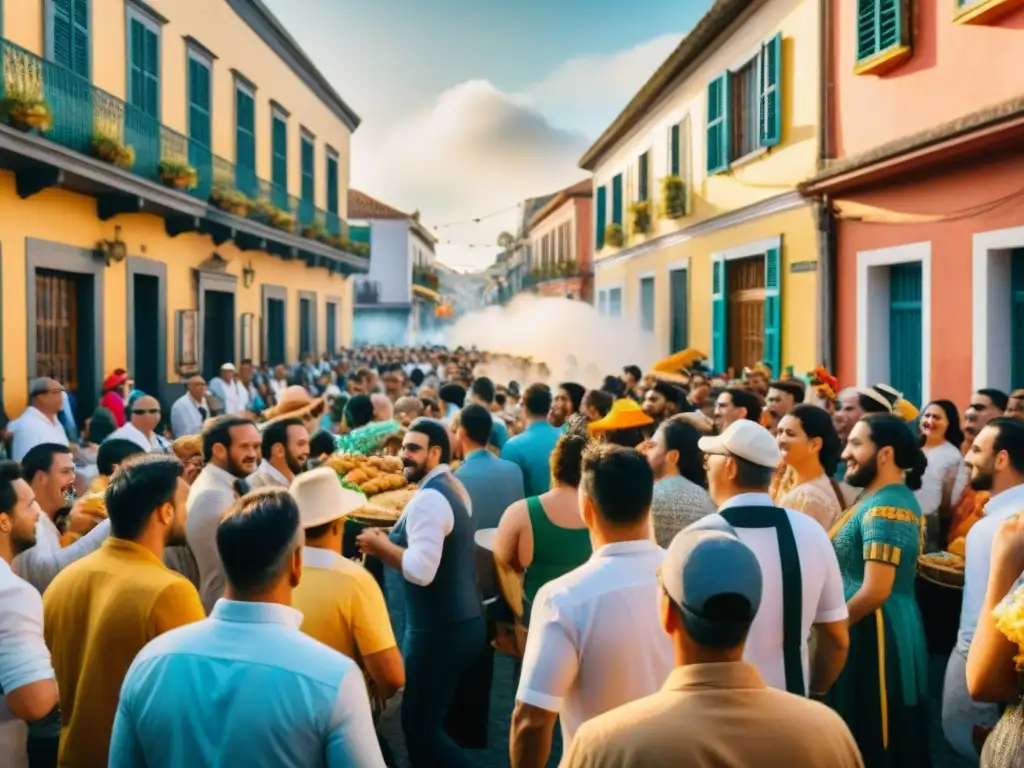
(662, 401)
(432, 547)
(285, 451)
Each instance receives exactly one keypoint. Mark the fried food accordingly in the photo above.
(383, 483)
(392, 500)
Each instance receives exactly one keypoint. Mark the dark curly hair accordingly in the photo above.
(567, 460)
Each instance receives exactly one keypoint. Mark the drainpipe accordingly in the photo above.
(823, 210)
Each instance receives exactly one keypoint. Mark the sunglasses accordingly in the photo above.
(148, 412)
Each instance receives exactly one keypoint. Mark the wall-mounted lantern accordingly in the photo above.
(248, 275)
(112, 251)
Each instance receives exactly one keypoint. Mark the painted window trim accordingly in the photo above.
(984, 11)
(886, 257)
(48, 32)
(331, 155)
(640, 278)
(154, 22)
(195, 51)
(276, 110)
(990, 336)
(278, 113)
(886, 60)
(199, 51)
(244, 84)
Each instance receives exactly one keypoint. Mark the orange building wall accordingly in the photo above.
(951, 261)
(955, 69)
(584, 232)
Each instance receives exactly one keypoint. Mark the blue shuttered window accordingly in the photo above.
(718, 317)
(69, 34)
(617, 199)
(200, 152)
(144, 68)
(679, 299)
(673, 151)
(332, 184)
(647, 304)
(279, 160)
(245, 142)
(773, 308)
(769, 96)
(905, 331)
(308, 182)
(615, 302)
(880, 26)
(1017, 319)
(601, 216)
(332, 327)
(643, 177)
(719, 132)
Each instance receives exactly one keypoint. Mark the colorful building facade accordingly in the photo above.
(701, 237)
(173, 185)
(925, 184)
(561, 245)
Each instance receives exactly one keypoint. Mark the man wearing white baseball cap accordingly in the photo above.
(229, 390)
(714, 709)
(803, 588)
(341, 603)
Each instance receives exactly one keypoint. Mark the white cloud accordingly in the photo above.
(478, 150)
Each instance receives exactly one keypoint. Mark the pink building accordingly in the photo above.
(560, 236)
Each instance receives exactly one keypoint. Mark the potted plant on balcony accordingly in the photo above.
(613, 235)
(229, 199)
(316, 231)
(641, 213)
(673, 192)
(27, 110)
(177, 174)
(110, 149)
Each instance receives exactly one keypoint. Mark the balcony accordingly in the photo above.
(60, 130)
(564, 270)
(425, 277)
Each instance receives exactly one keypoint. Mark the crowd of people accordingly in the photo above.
(687, 568)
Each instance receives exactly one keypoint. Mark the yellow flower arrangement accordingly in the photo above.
(1009, 616)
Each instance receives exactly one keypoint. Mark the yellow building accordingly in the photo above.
(701, 237)
(173, 191)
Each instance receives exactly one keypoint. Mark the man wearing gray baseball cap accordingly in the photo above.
(715, 710)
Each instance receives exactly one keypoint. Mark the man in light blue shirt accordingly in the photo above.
(245, 686)
(482, 392)
(493, 484)
(532, 449)
(996, 459)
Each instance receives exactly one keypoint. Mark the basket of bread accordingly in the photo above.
(945, 568)
(380, 478)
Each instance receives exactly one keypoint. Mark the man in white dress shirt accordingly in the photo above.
(50, 471)
(230, 391)
(803, 588)
(28, 687)
(996, 461)
(191, 410)
(39, 423)
(595, 640)
(231, 449)
(432, 547)
(293, 700)
(143, 419)
(285, 450)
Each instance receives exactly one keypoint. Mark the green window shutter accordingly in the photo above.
(719, 129)
(279, 154)
(245, 142)
(617, 199)
(879, 26)
(673, 150)
(332, 184)
(770, 93)
(647, 305)
(199, 102)
(643, 193)
(773, 309)
(1017, 319)
(69, 35)
(308, 181)
(719, 360)
(905, 332)
(601, 215)
(144, 69)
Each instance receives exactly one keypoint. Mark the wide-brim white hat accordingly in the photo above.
(321, 498)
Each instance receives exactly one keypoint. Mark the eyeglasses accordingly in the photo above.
(148, 412)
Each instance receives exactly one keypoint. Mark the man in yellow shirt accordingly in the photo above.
(101, 610)
(341, 603)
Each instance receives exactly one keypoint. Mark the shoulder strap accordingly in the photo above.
(792, 584)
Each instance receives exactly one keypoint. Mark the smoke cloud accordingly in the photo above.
(553, 331)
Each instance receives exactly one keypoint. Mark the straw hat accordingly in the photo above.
(294, 401)
(625, 414)
(321, 498)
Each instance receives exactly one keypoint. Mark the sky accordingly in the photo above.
(470, 106)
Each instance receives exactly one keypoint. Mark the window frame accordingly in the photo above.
(204, 58)
(307, 137)
(882, 60)
(151, 20)
(278, 114)
(331, 156)
(245, 86)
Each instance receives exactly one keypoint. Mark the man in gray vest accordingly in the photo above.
(432, 547)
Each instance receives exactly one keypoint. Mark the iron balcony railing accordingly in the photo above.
(560, 271)
(426, 278)
(41, 96)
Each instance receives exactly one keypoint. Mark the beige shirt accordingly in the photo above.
(716, 716)
(210, 496)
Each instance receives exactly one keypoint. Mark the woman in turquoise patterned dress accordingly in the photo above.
(882, 691)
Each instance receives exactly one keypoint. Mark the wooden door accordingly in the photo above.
(56, 327)
(905, 330)
(746, 292)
